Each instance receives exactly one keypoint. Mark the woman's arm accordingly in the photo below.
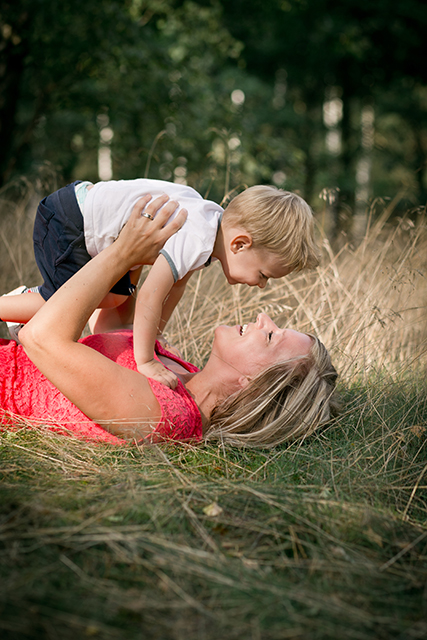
(102, 389)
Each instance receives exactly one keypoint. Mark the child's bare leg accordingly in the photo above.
(109, 319)
(117, 317)
(112, 300)
(20, 308)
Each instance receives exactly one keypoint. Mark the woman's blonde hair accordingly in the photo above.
(279, 221)
(285, 402)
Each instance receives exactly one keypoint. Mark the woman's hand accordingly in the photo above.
(142, 238)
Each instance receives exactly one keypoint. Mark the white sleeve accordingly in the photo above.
(191, 247)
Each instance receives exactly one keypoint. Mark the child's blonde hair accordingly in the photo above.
(279, 221)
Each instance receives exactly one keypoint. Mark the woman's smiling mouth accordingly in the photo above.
(243, 329)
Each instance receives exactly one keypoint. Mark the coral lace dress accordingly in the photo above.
(26, 393)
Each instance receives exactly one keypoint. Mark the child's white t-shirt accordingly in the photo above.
(108, 206)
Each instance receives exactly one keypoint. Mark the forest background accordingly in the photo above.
(324, 98)
(323, 539)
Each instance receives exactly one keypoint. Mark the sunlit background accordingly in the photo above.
(328, 99)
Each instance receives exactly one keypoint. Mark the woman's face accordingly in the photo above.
(253, 347)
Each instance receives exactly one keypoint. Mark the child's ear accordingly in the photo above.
(241, 242)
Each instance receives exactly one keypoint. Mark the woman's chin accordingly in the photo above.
(220, 331)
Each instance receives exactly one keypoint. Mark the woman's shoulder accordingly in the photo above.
(118, 346)
(115, 345)
(181, 419)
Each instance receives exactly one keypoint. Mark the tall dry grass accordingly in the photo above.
(18, 204)
(318, 540)
(366, 302)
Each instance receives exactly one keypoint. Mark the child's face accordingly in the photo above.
(246, 264)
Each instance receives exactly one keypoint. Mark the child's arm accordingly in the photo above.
(148, 315)
(171, 301)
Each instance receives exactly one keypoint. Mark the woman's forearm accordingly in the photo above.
(66, 313)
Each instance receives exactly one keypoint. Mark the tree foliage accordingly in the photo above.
(364, 50)
(220, 93)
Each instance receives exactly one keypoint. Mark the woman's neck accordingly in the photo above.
(204, 393)
(207, 387)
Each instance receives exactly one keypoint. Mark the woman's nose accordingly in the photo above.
(265, 322)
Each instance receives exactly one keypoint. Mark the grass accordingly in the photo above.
(315, 540)
(321, 540)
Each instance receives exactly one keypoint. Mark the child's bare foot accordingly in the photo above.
(14, 327)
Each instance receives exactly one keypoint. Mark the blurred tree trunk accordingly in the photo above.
(344, 205)
(13, 51)
(310, 129)
(420, 164)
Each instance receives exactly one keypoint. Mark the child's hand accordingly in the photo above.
(155, 370)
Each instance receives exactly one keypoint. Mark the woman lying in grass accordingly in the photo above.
(261, 385)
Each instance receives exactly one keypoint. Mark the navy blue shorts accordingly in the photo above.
(59, 243)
